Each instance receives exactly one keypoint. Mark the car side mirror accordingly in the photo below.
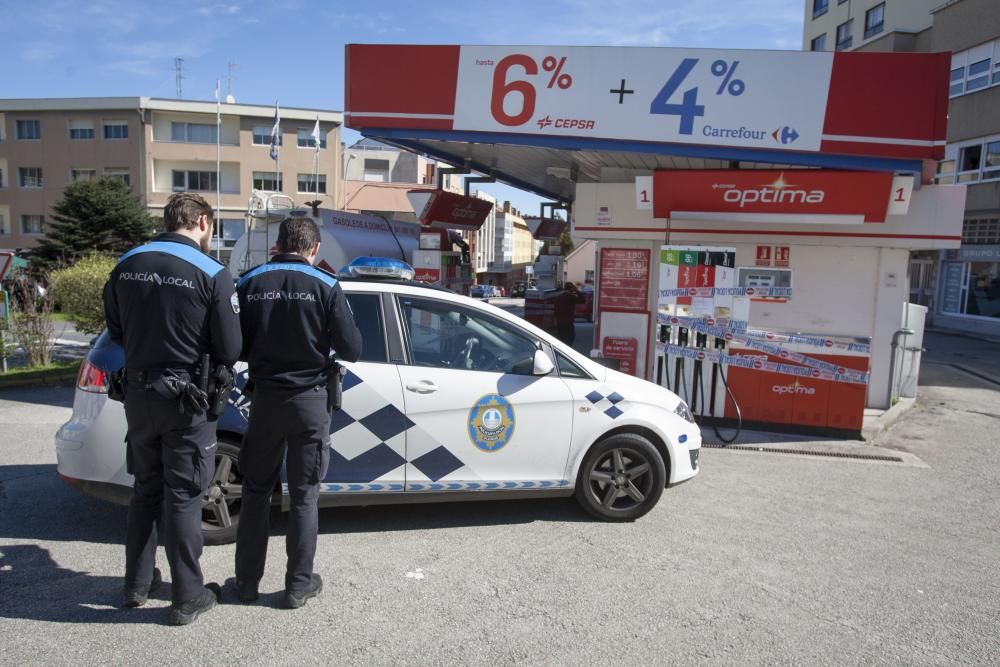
(542, 364)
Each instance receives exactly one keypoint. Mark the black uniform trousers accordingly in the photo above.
(296, 421)
(172, 457)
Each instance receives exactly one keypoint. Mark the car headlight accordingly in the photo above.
(684, 411)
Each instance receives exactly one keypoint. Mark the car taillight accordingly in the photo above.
(92, 379)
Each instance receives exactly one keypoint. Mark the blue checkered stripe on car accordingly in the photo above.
(371, 438)
(608, 401)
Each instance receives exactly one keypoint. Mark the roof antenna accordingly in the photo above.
(179, 76)
(229, 83)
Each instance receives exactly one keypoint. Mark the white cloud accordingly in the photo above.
(41, 52)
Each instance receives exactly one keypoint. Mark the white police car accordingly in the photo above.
(453, 399)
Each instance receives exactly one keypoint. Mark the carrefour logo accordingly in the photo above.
(147, 277)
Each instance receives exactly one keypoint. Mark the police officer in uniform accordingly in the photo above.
(169, 305)
(293, 316)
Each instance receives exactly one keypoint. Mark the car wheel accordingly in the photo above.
(622, 478)
(220, 514)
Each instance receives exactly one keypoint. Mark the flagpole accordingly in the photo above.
(316, 162)
(218, 169)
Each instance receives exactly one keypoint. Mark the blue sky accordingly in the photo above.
(292, 50)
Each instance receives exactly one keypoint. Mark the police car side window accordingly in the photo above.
(367, 309)
(443, 335)
(568, 369)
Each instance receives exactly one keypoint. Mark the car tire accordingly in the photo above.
(621, 478)
(220, 515)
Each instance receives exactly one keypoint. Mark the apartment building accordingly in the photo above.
(158, 147)
(843, 25)
(960, 287)
(513, 249)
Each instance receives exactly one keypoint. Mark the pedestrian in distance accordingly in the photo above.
(294, 317)
(566, 312)
(174, 311)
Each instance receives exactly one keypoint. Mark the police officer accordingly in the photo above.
(293, 316)
(169, 304)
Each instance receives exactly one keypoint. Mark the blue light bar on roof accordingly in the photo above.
(379, 267)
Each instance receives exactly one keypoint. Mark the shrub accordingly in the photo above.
(79, 291)
(31, 322)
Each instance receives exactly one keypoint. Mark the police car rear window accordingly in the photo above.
(367, 310)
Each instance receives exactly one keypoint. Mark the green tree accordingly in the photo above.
(566, 241)
(93, 216)
(79, 291)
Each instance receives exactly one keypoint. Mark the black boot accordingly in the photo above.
(136, 596)
(186, 612)
(296, 599)
(247, 591)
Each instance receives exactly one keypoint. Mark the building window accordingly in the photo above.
(874, 20)
(197, 181)
(29, 177)
(820, 7)
(975, 69)
(972, 162)
(119, 174)
(818, 43)
(1, 179)
(305, 138)
(982, 231)
(81, 130)
(82, 175)
(32, 224)
(193, 133)
(844, 39)
(262, 135)
(376, 171)
(3, 226)
(971, 288)
(312, 184)
(28, 130)
(267, 181)
(979, 75)
(957, 81)
(115, 129)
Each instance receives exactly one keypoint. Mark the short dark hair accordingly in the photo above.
(183, 210)
(297, 235)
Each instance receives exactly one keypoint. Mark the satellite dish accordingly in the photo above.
(230, 99)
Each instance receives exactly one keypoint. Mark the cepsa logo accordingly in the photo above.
(566, 123)
(778, 192)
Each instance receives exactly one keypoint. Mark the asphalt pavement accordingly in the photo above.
(763, 558)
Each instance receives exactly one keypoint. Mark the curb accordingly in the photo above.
(871, 431)
(25, 380)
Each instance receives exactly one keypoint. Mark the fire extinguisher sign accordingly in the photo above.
(763, 255)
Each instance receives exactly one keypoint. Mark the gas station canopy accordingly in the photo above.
(546, 118)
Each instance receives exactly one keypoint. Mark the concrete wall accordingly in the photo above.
(974, 114)
(964, 24)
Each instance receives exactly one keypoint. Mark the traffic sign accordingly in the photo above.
(6, 261)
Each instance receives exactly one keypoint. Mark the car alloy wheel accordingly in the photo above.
(221, 502)
(621, 478)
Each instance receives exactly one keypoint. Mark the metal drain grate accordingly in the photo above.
(806, 452)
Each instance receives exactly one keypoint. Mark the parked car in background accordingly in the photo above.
(481, 291)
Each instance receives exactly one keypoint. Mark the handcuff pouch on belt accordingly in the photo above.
(335, 387)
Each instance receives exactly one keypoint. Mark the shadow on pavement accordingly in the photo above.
(34, 587)
(427, 516)
(57, 397)
(36, 505)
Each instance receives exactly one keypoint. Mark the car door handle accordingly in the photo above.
(422, 387)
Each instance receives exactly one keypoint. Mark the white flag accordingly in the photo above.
(276, 132)
(315, 134)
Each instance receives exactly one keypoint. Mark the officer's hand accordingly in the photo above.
(195, 399)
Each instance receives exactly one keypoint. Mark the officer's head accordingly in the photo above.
(300, 236)
(189, 214)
